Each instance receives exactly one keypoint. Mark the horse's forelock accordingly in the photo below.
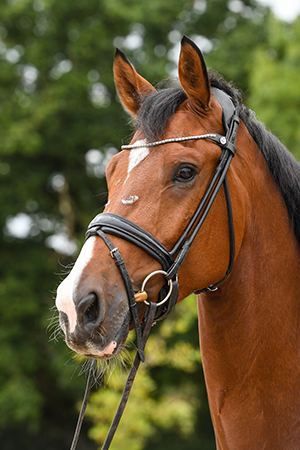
(156, 110)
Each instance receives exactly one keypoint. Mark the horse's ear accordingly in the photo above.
(131, 87)
(193, 74)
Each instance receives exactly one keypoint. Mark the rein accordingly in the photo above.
(147, 324)
(113, 224)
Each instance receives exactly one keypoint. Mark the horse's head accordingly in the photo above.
(157, 188)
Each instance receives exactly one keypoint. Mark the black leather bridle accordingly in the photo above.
(170, 261)
(113, 224)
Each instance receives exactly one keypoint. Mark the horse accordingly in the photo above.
(243, 261)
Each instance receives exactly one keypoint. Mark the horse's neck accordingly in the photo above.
(249, 336)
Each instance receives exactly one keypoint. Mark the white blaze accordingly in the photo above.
(136, 156)
(66, 290)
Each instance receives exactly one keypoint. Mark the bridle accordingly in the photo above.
(170, 261)
(113, 224)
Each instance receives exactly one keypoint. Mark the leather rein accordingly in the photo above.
(113, 224)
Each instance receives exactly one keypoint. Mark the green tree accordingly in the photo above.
(60, 122)
(168, 397)
(274, 82)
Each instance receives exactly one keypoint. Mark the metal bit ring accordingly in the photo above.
(169, 283)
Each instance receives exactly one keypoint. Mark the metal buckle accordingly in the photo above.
(113, 251)
(212, 288)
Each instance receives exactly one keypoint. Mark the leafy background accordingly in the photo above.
(60, 122)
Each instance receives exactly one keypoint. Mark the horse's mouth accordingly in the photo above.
(99, 347)
(116, 345)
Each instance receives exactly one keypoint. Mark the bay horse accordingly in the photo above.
(244, 260)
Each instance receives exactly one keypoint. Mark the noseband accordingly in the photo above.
(113, 224)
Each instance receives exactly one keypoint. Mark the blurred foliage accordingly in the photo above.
(274, 82)
(166, 387)
(60, 122)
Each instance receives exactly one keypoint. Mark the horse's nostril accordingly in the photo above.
(91, 312)
(63, 320)
(88, 309)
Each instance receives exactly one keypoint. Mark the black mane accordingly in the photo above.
(157, 108)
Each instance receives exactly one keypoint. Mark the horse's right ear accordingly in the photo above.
(193, 75)
(131, 87)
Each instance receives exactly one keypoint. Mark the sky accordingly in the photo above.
(286, 10)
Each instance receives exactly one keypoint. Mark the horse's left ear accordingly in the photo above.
(193, 74)
(131, 87)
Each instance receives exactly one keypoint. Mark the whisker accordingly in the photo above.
(65, 270)
(126, 359)
(53, 308)
(54, 328)
(56, 334)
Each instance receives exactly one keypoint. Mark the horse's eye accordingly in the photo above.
(185, 173)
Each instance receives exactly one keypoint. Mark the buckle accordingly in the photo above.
(113, 251)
